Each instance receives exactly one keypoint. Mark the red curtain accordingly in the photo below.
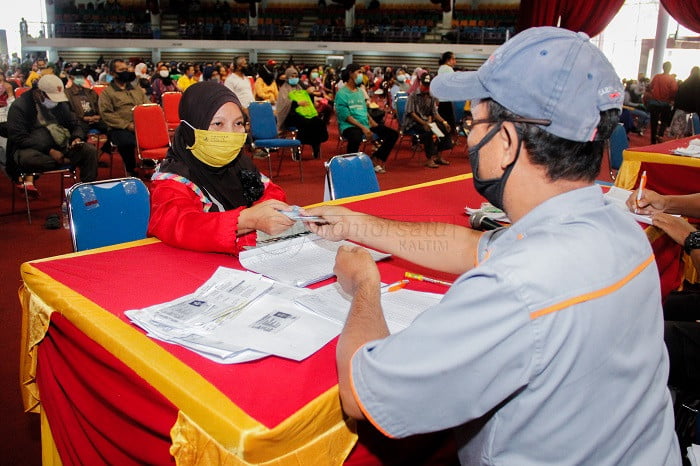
(686, 12)
(588, 16)
(538, 13)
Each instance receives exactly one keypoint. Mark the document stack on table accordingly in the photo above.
(238, 316)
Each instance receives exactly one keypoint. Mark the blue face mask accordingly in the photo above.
(314, 75)
(109, 78)
(401, 78)
(359, 79)
(293, 81)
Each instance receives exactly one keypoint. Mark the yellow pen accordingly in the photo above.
(417, 276)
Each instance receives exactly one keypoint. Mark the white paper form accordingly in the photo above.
(298, 261)
(400, 307)
(238, 316)
(618, 197)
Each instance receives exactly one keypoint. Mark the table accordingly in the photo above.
(107, 391)
(667, 173)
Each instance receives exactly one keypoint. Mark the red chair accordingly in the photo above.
(21, 90)
(152, 138)
(98, 88)
(171, 107)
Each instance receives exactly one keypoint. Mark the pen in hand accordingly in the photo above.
(642, 185)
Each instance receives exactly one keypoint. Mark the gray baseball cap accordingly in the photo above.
(543, 73)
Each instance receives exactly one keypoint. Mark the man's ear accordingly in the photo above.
(508, 138)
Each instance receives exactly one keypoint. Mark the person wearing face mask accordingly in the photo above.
(44, 134)
(161, 83)
(553, 323)
(295, 109)
(207, 195)
(239, 83)
(116, 103)
(188, 77)
(421, 112)
(84, 102)
(355, 123)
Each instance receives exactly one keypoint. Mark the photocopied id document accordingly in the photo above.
(400, 307)
(298, 261)
(238, 316)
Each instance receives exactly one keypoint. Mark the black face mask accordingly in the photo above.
(491, 189)
(125, 76)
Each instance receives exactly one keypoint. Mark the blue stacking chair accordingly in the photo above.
(350, 175)
(263, 131)
(696, 123)
(108, 212)
(618, 143)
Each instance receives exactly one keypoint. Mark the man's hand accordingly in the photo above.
(650, 203)
(675, 227)
(355, 268)
(338, 221)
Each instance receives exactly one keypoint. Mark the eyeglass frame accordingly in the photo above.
(468, 123)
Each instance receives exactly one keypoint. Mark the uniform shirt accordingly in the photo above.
(350, 103)
(550, 351)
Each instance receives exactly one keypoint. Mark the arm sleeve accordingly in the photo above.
(177, 219)
(109, 113)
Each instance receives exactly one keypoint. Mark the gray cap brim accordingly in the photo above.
(458, 86)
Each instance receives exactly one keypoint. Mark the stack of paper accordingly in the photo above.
(400, 307)
(691, 150)
(618, 197)
(238, 316)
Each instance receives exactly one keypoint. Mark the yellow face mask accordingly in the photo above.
(216, 148)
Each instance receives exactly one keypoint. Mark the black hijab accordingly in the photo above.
(234, 185)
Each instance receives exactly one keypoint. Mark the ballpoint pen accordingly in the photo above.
(396, 286)
(417, 276)
(642, 185)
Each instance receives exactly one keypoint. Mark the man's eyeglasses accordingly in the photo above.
(468, 123)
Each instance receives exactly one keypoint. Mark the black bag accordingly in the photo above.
(377, 114)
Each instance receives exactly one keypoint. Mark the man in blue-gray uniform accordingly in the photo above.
(548, 348)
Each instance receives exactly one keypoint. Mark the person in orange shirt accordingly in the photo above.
(659, 101)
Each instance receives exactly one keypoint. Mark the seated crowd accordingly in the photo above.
(99, 99)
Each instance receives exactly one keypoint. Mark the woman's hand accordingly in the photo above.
(266, 217)
(676, 227)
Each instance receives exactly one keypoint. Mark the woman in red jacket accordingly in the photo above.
(206, 195)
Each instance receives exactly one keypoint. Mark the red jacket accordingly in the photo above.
(178, 218)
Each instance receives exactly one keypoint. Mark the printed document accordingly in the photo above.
(400, 307)
(238, 316)
(299, 261)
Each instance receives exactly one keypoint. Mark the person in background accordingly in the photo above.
(85, 104)
(7, 93)
(421, 112)
(265, 85)
(639, 117)
(659, 97)
(239, 83)
(39, 69)
(446, 64)
(354, 122)
(44, 134)
(687, 101)
(295, 109)
(161, 83)
(209, 196)
(116, 103)
(188, 78)
(553, 323)
(681, 308)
